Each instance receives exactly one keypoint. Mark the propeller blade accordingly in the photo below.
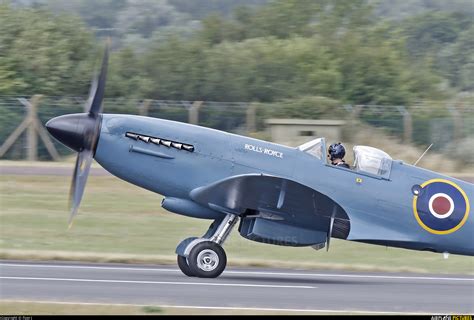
(92, 91)
(80, 132)
(79, 179)
(90, 134)
(331, 224)
(98, 86)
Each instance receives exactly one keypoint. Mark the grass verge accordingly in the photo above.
(119, 222)
(69, 308)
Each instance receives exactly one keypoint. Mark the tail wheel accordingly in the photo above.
(207, 260)
(184, 267)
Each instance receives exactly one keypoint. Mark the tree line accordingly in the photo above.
(282, 49)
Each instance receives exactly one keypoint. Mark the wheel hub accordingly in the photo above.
(207, 260)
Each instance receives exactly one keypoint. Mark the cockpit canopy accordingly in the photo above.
(372, 160)
(314, 147)
(366, 159)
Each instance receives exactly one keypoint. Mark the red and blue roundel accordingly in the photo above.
(441, 206)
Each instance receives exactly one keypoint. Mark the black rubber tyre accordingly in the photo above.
(184, 267)
(207, 260)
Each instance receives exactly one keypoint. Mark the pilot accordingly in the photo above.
(336, 153)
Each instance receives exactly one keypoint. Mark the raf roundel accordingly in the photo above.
(441, 206)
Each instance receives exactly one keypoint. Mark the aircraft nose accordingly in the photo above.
(71, 130)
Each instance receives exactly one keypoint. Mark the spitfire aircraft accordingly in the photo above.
(276, 194)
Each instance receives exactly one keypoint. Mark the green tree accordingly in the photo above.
(98, 14)
(125, 76)
(42, 53)
(456, 61)
(200, 9)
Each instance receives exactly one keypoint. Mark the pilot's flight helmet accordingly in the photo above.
(336, 151)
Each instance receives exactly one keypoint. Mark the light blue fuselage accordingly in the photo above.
(380, 210)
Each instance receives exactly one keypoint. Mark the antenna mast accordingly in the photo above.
(422, 155)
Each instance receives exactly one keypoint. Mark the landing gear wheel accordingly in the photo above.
(207, 260)
(184, 267)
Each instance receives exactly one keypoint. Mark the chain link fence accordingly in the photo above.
(420, 124)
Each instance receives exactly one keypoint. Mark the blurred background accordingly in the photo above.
(405, 67)
(393, 74)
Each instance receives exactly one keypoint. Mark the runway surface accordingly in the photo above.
(254, 288)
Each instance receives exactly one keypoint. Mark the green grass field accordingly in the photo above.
(123, 223)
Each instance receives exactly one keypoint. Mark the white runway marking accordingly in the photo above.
(294, 274)
(225, 308)
(163, 282)
(328, 275)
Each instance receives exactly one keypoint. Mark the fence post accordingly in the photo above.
(407, 127)
(251, 118)
(356, 112)
(33, 126)
(354, 117)
(407, 124)
(144, 107)
(457, 122)
(32, 137)
(193, 113)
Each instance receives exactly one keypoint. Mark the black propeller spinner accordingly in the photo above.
(80, 132)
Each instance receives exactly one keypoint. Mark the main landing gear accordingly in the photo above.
(204, 257)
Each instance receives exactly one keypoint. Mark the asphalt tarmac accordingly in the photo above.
(238, 288)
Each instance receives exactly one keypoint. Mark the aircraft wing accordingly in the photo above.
(275, 199)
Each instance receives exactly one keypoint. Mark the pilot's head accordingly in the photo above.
(336, 151)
